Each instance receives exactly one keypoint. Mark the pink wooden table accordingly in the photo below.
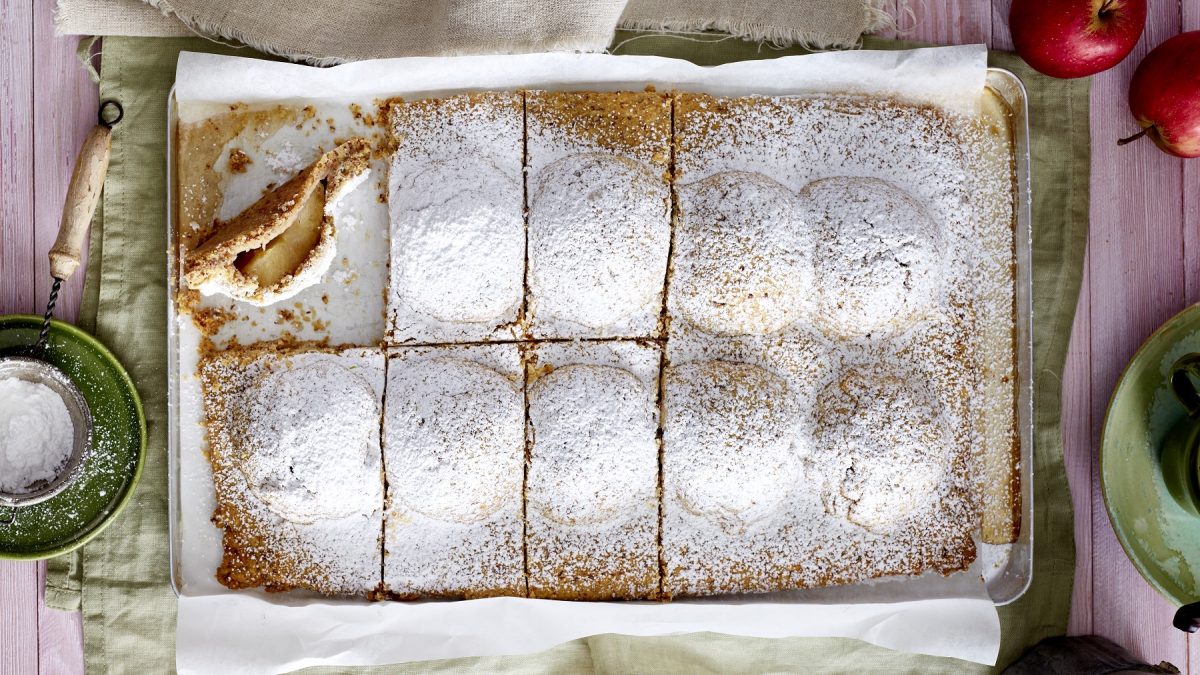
(1143, 265)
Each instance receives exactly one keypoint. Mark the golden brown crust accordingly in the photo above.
(401, 113)
(569, 578)
(637, 124)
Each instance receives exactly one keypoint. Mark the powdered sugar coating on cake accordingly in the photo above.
(458, 230)
(724, 422)
(597, 247)
(889, 197)
(312, 442)
(742, 260)
(319, 524)
(592, 482)
(795, 141)
(453, 440)
(799, 538)
(599, 212)
(832, 154)
(730, 442)
(452, 225)
(890, 444)
(583, 419)
(878, 256)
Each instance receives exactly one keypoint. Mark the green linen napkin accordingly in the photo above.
(121, 579)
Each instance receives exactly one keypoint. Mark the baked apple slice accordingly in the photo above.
(285, 241)
(284, 254)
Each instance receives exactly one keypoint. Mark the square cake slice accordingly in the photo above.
(787, 465)
(729, 472)
(598, 168)
(457, 225)
(454, 453)
(293, 438)
(592, 485)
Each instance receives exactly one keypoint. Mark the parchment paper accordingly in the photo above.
(222, 631)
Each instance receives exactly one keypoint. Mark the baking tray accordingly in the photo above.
(1011, 579)
(1008, 569)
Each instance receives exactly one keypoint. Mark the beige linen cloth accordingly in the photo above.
(331, 31)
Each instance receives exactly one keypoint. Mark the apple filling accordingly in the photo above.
(284, 242)
(284, 254)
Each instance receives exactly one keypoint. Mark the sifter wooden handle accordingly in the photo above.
(83, 196)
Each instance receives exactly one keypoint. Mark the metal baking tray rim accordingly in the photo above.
(1006, 587)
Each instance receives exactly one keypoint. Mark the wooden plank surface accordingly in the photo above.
(62, 121)
(1143, 265)
(60, 636)
(18, 582)
(16, 155)
(1137, 281)
(18, 618)
(47, 103)
(950, 21)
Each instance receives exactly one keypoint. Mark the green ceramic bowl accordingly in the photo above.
(108, 477)
(1160, 537)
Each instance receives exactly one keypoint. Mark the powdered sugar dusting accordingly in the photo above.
(795, 141)
(731, 448)
(879, 255)
(598, 240)
(312, 442)
(587, 439)
(599, 212)
(453, 438)
(742, 263)
(458, 232)
(812, 519)
(285, 160)
(592, 504)
(889, 446)
(881, 369)
(453, 236)
(292, 519)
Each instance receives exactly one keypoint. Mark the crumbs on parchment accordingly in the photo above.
(238, 160)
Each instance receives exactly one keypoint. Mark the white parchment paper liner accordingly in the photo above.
(223, 631)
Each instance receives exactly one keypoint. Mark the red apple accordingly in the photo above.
(1074, 38)
(1164, 95)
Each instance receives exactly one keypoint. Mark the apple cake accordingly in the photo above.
(591, 495)
(638, 346)
(457, 225)
(870, 221)
(454, 453)
(293, 433)
(597, 168)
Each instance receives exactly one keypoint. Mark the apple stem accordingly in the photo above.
(1134, 137)
(1105, 9)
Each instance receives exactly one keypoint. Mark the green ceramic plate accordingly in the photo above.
(1161, 539)
(71, 518)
